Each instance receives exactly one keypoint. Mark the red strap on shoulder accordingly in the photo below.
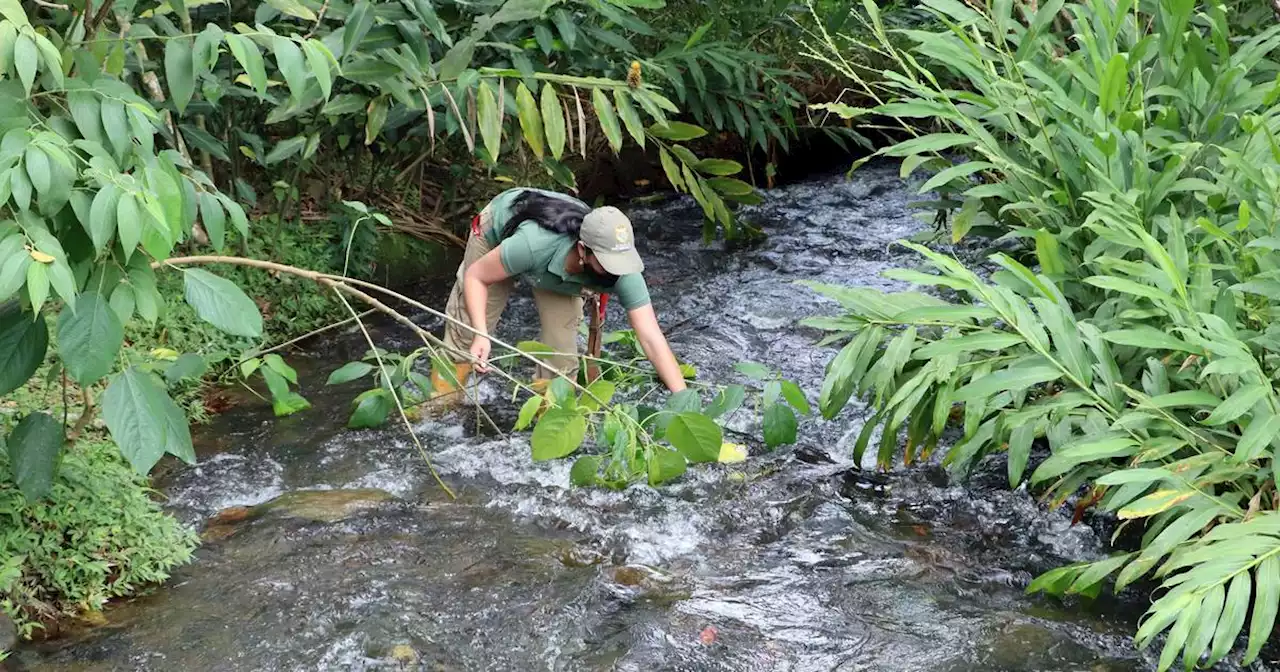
(475, 225)
(604, 302)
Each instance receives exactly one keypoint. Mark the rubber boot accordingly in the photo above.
(446, 393)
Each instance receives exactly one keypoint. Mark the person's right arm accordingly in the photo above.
(485, 271)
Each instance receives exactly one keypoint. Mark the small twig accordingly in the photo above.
(309, 334)
(319, 18)
(51, 5)
(86, 416)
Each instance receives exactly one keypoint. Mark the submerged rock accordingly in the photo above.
(8, 634)
(326, 506)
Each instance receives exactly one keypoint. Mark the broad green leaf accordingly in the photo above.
(677, 131)
(490, 120)
(585, 471)
(359, 21)
(1020, 441)
(726, 401)
(1207, 621)
(285, 149)
(372, 409)
(601, 390)
(1232, 621)
(188, 365)
(1267, 599)
(665, 465)
(559, 433)
(630, 118)
(221, 303)
(349, 372)
(144, 421)
(285, 402)
(1066, 339)
(1143, 475)
(796, 397)
(529, 411)
(553, 120)
(116, 125)
(608, 119)
(1072, 456)
(671, 169)
(123, 303)
(1012, 380)
(779, 425)
(290, 63)
(180, 72)
(128, 223)
(12, 10)
(89, 338)
(980, 341)
(293, 8)
(721, 167)
(102, 216)
(1150, 338)
(753, 370)
(247, 54)
(696, 436)
(321, 61)
(37, 285)
(530, 119)
(1156, 502)
(38, 169)
(276, 363)
(1236, 405)
(26, 56)
(214, 219)
(34, 446)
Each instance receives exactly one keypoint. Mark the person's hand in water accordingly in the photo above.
(480, 347)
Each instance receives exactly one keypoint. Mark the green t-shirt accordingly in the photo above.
(540, 254)
(500, 207)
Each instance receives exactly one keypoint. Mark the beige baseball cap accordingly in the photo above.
(607, 233)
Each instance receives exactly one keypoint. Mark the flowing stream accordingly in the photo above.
(353, 559)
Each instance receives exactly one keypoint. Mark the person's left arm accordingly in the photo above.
(655, 346)
(634, 296)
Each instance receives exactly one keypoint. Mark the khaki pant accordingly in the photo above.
(559, 314)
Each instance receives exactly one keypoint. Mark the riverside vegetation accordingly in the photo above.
(143, 146)
(1124, 157)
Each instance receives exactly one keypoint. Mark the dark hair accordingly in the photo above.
(559, 215)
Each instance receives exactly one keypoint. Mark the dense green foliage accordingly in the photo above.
(95, 536)
(1129, 151)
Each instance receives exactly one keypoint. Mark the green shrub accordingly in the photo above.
(1129, 152)
(95, 537)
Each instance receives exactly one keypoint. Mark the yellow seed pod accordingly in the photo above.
(633, 75)
(41, 256)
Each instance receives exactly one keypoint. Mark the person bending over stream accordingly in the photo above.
(563, 247)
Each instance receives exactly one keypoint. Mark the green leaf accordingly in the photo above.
(129, 223)
(696, 436)
(971, 343)
(247, 54)
(188, 365)
(796, 397)
(102, 216)
(290, 63)
(1236, 405)
(608, 119)
(116, 125)
(144, 421)
(677, 131)
(293, 8)
(559, 433)
(37, 285)
(671, 169)
(276, 363)
(285, 149)
(630, 118)
(26, 56)
(359, 21)
(180, 72)
(1143, 475)
(214, 219)
(221, 303)
(89, 338)
(38, 170)
(23, 343)
(1020, 441)
(726, 401)
(1150, 338)
(1012, 379)
(321, 61)
(1266, 601)
(530, 119)
(34, 447)
(349, 372)
(721, 167)
(490, 120)
(1156, 502)
(1074, 455)
(372, 409)
(123, 302)
(1232, 620)
(553, 120)
(753, 370)
(585, 471)
(665, 466)
(12, 10)
(779, 426)
(529, 411)
(599, 389)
